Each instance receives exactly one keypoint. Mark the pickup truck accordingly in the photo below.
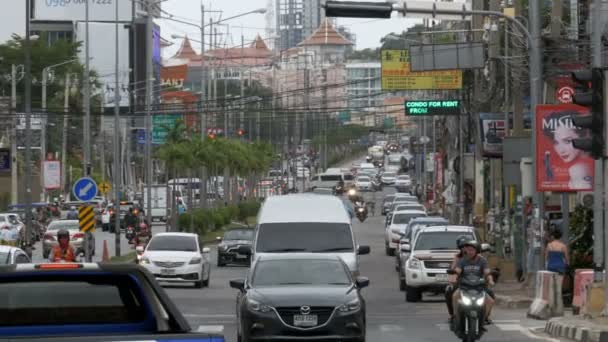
(89, 302)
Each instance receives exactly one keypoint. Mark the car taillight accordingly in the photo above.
(78, 236)
(58, 266)
(49, 236)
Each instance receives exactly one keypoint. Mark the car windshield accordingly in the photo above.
(4, 258)
(300, 272)
(409, 207)
(439, 240)
(389, 174)
(348, 177)
(405, 218)
(82, 299)
(304, 237)
(363, 179)
(332, 178)
(172, 243)
(414, 226)
(69, 225)
(239, 234)
(403, 177)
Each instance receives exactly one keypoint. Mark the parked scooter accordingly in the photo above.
(470, 317)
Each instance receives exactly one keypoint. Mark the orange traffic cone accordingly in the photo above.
(106, 253)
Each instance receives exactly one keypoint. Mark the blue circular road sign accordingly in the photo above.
(85, 189)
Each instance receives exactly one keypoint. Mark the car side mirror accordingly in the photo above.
(363, 250)
(238, 284)
(244, 250)
(406, 247)
(362, 282)
(206, 250)
(485, 247)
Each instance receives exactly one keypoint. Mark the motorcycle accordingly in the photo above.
(470, 317)
(139, 253)
(352, 194)
(361, 211)
(130, 234)
(339, 189)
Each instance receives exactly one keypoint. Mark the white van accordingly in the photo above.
(305, 223)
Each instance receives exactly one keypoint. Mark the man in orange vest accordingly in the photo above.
(63, 251)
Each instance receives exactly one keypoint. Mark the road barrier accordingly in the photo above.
(547, 301)
(582, 277)
(106, 253)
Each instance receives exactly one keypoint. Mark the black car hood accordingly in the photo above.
(281, 296)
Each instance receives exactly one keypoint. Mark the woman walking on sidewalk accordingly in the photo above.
(556, 253)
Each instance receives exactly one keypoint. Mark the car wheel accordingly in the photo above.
(219, 262)
(401, 282)
(390, 251)
(206, 281)
(412, 295)
(387, 250)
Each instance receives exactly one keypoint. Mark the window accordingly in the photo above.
(239, 234)
(306, 272)
(81, 299)
(331, 178)
(173, 243)
(439, 240)
(4, 258)
(305, 237)
(22, 259)
(405, 218)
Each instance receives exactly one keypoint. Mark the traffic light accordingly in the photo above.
(591, 84)
(240, 132)
(355, 9)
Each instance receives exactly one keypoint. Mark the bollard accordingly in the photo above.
(547, 301)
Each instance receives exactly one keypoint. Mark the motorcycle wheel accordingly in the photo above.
(472, 334)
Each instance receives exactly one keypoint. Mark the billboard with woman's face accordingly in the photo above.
(559, 166)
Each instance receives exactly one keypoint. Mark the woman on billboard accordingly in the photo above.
(564, 167)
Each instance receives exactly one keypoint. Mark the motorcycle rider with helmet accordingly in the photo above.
(63, 251)
(449, 290)
(72, 214)
(474, 265)
(143, 235)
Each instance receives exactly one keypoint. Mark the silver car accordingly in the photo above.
(76, 236)
(13, 255)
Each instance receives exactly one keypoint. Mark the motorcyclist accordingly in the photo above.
(130, 219)
(143, 234)
(72, 214)
(63, 251)
(474, 265)
(449, 290)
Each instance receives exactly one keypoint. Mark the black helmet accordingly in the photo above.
(461, 241)
(63, 233)
(473, 243)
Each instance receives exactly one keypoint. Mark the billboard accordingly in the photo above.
(397, 75)
(74, 10)
(492, 130)
(161, 123)
(52, 174)
(559, 166)
(102, 48)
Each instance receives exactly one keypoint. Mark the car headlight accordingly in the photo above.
(361, 210)
(351, 306)
(466, 301)
(196, 260)
(222, 247)
(479, 301)
(414, 263)
(145, 260)
(256, 306)
(352, 192)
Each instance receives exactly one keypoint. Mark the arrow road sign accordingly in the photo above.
(85, 189)
(86, 218)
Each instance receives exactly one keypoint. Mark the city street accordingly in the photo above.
(389, 317)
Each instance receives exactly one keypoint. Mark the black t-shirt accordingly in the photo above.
(475, 268)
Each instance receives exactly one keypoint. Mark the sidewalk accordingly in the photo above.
(576, 328)
(513, 295)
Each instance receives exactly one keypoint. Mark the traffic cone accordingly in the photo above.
(106, 253)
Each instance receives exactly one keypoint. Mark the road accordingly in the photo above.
(389, 317)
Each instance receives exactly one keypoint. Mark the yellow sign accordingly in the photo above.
(86, 218)
(104, 188)
(396, 74)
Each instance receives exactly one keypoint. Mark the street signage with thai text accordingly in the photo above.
(397, 74)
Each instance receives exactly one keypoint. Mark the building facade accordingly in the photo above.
(363, 85)
(296, 20)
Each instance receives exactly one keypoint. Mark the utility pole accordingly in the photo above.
(14, 151)
(423, 165)
(116, 165)
(518, 121)
(28, 132)
(203, 118)
(64, 138)
(149, 85)
(86, 169)
(241, 85)
(43, 121)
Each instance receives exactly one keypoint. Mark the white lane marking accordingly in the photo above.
(211, 329)
(528, 332)
(210, 315)
(390, 327)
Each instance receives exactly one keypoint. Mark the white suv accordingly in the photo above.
(432, 252)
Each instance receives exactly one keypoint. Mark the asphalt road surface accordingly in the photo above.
(389, 317)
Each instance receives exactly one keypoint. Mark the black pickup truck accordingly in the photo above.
(89, 302)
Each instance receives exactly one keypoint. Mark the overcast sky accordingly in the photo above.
(367, 31)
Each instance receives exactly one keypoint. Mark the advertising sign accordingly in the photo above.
(492, 129)
(564, 89)
(560, 166)
(397, 75)
(432, 107)
(52, 174)
(74, 10)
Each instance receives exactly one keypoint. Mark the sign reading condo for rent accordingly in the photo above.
(397, 75)
(432, 107)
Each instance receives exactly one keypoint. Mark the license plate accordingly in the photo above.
(167, 271)
(238, 256)
(305, 320)
(441, 276)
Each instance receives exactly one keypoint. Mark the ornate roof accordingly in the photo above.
(326, 34)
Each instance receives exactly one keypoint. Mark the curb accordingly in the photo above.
(574, 331)
(513, 302)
